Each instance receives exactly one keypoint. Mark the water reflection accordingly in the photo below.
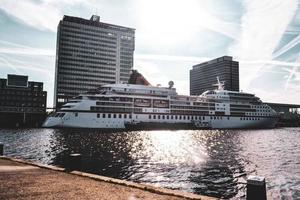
(208, 162)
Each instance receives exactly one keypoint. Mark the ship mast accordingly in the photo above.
(219, 84)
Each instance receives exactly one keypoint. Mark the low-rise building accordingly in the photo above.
(22, 102)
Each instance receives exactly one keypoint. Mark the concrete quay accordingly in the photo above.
(25, 180)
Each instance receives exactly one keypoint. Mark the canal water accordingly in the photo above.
(207, 162)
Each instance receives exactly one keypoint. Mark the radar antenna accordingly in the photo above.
(171, 84)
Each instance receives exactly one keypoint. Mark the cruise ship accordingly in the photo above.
(121, 106)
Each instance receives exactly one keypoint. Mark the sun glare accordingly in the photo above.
(172, 147)
(170, 21)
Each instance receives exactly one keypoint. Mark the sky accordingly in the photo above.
(171, 36)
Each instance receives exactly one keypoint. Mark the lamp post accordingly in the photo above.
(24, 115)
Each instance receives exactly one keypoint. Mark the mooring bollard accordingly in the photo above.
(75, 161)
(1, 149)
(256, 188)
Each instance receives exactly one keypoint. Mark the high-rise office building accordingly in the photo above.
(90, 53)
(204, 75)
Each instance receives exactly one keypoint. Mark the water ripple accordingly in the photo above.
(208, 162)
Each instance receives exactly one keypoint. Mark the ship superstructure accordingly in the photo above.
(117, 106)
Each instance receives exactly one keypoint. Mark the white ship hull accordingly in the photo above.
(119, 106)
(90, 120)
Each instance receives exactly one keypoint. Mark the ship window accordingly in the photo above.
(188, 117)
(183, 117)
(203, 117)
(163, 117)
(76, 114)
(115, 116)
(103, 115)
(192, 117)
(149, 116)
(158, 117)
(62, 114)
(180, 116)
(120, 115)
(176, 117)
(171, 116)
(228, 118)
(131, 116)
(109, 116)
(154, 116)
(98, 115)
(125, 116)
(167, 116)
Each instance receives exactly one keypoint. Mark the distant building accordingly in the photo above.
(90, 53)
(22, 102)
(204, 75)
(137, 78)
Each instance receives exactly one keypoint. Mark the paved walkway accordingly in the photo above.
(26, 181)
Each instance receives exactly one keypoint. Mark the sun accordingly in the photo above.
(171, 21)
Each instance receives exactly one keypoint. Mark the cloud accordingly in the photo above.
(43, 15)
(287, 46)
(17, 49)
(263, 25)
(170, 57)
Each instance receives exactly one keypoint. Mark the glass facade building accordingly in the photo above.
(90, 53)
(204, 75)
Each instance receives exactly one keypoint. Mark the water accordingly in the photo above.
(207, 162)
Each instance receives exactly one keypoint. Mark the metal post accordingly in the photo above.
(1, 149)
(75, 161)
(256, 188)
